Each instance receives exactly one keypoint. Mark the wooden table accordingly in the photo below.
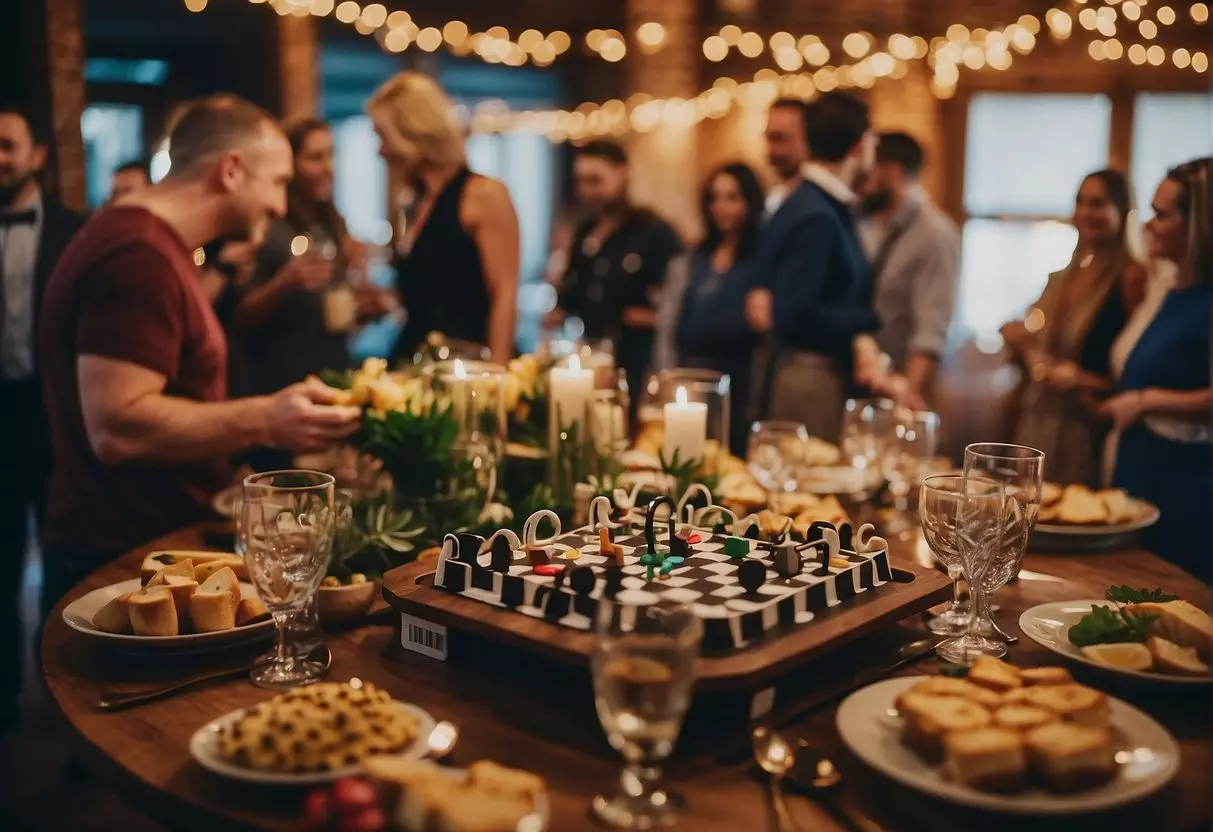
(143, 752)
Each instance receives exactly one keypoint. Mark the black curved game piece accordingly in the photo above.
(753, 532)
(501, 555)
(582, 579)
(816, 531)
(846, 537)
(751, 574)
(650, 534)
(612, 582)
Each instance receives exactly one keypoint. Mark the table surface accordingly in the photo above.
(143, 752)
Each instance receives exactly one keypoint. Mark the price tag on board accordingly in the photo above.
(423, 637)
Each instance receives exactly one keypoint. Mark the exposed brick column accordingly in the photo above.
(298, 67)
(664, 167)
(59, 71)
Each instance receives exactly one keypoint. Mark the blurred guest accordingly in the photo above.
(1164, 408)
(34, 229)
(308, 289)
(617, 262)
(712, 331)
(458, 269)
(134, 359)
(914, 251)
(129, 178)
(811, 285)
(1066, 338)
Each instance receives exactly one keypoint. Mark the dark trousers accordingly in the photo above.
(24, 474)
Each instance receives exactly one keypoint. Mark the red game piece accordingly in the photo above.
(549, 568)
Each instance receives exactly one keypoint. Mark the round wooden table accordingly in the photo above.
(143, 752)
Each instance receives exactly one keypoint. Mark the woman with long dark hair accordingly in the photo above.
(712, 332)
(1065, 340)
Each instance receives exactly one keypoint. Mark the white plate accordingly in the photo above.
(204, 748)
(833, 479)
(79, 616)
(876, 741)
(1147, 515)
(1049, 626)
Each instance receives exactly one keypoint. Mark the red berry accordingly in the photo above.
(350, 793)
(316, 810)
(369, 819)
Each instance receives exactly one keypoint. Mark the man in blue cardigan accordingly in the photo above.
(812, 292)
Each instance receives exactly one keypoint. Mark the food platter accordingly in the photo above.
(1064, 536)
(1148, 761)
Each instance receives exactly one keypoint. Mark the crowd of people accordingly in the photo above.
(130, 376)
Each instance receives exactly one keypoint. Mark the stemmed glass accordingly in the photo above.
(1021, 471)
(937, 502)
(867, 425)
(775, 454)
(963, 520)
(643, 667)
(286, 527)
(910, 448)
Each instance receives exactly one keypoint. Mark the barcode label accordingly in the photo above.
(423, 637)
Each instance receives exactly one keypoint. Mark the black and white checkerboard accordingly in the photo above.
(707, 580)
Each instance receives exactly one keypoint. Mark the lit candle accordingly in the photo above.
(460, 391)
(686, 428)
(571, 389)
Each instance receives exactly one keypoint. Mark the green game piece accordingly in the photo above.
(736, 547)
(650, 561)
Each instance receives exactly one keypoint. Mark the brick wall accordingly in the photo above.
(298, 74)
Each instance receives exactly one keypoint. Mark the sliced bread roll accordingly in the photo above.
(153, 612)
(1181, 622)
(250, 611)
(114, 617)
(213, 611)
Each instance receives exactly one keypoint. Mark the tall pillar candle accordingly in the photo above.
(686, 428)
(571, 389)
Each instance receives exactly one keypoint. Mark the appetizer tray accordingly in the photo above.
(1076, 518)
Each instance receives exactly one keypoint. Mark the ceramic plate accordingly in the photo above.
(204, 748)
(1067, 536)
(1049, 626)
(1150, 758)
(79, 616)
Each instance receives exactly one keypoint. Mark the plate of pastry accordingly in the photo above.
(182, 601)
(421, 795)
(312, 735)
(1146, 635)
(1076, 516)
(1028, 742)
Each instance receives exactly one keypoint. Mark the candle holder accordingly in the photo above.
(475, 392)
(596, 355)
(699, 387)
(437, 349)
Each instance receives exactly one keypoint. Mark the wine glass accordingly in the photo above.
(775, 454)
(937, 500)
(910, 449)
(1021, 471)
(286, 530)
(867, 425)
(963, 523)
(643, 667)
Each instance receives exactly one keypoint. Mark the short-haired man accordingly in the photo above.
(914, 250)
(34, 229)
(813, 294)
(135, 362)
(129, 178)
(617, 262)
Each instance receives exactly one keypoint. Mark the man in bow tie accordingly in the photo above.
(34, 229)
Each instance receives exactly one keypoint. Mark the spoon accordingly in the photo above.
(816, 774)
(441, 740)
(775, 756)
(117, 701)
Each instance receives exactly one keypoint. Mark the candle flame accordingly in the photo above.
(681, 396)
(575, 363)
(460, 372)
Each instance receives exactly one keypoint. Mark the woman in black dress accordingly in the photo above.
(457, 270)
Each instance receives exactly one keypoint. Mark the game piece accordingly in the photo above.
(501, 547)
(650, 561)
(680, 545)
(600, 517)
(469, 548)
(650, 515)
(625, 504)
(827, 548)
(846, 537)
(612, 582)
(556, 605)
(609, 549)
(549, 569)
(868, 545)
(685, 511)
(581, 579)
(816, 529)
(736, 547)
(537, 552)
(722, 526)
(451, 574)
(537, 555)
(571, 554)
(787, 561)
(668, 563)
(751, 574)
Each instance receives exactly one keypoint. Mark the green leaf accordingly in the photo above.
(958, 671)
(1105, 625)
(1128, 595)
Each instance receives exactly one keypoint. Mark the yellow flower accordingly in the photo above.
(512, 389)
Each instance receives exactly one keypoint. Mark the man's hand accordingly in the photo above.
(306, 272)
(303, 419)
(870, 362)
(1015, 335)
(758, 310)
(639, 317)
(1124, 409)
(373, 302)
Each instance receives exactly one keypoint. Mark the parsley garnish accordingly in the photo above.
(1105, 625)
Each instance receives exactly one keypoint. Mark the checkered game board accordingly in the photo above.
(732, 616)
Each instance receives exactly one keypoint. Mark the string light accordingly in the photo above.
(1200, 62)
(651, 36)
(1155, 55)
(1199, 12)
(1148, 29)
(348, 11)
(1137, 54)
(750, 44)
(1165, 15)
(195, 5)
(715, 48)
(1130, 10)
(857, 44)
(1182, 58)
(1113, 49)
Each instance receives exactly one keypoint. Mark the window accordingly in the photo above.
(113, 135)
(1025, 157)
(360, 180)
(1168, 128)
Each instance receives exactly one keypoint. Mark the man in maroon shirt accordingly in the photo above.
(134, 361)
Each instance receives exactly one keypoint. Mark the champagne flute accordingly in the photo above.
(910, 448)
(966, 518)
(867, 425)
(643, 668)
(774, 456)
(286, 529)
(1021, 471)
(936, 499)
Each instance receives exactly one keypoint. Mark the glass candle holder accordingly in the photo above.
(475, 393)
(437, 348)
(595, 355)
(689, 409)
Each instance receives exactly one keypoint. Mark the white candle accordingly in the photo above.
(686, 428)
(571, 389)
(460, 391)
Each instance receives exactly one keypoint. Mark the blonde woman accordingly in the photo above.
(1065, 341)
(1164, 454)
(457, 269)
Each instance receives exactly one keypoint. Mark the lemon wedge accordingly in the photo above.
(1128, 656)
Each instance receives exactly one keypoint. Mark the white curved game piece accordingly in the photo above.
(730, 517)
(531, 527)
(741, 526)
(683, 501)
(600, 514)
(515, 543)
(626, 500)
(870, 545)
